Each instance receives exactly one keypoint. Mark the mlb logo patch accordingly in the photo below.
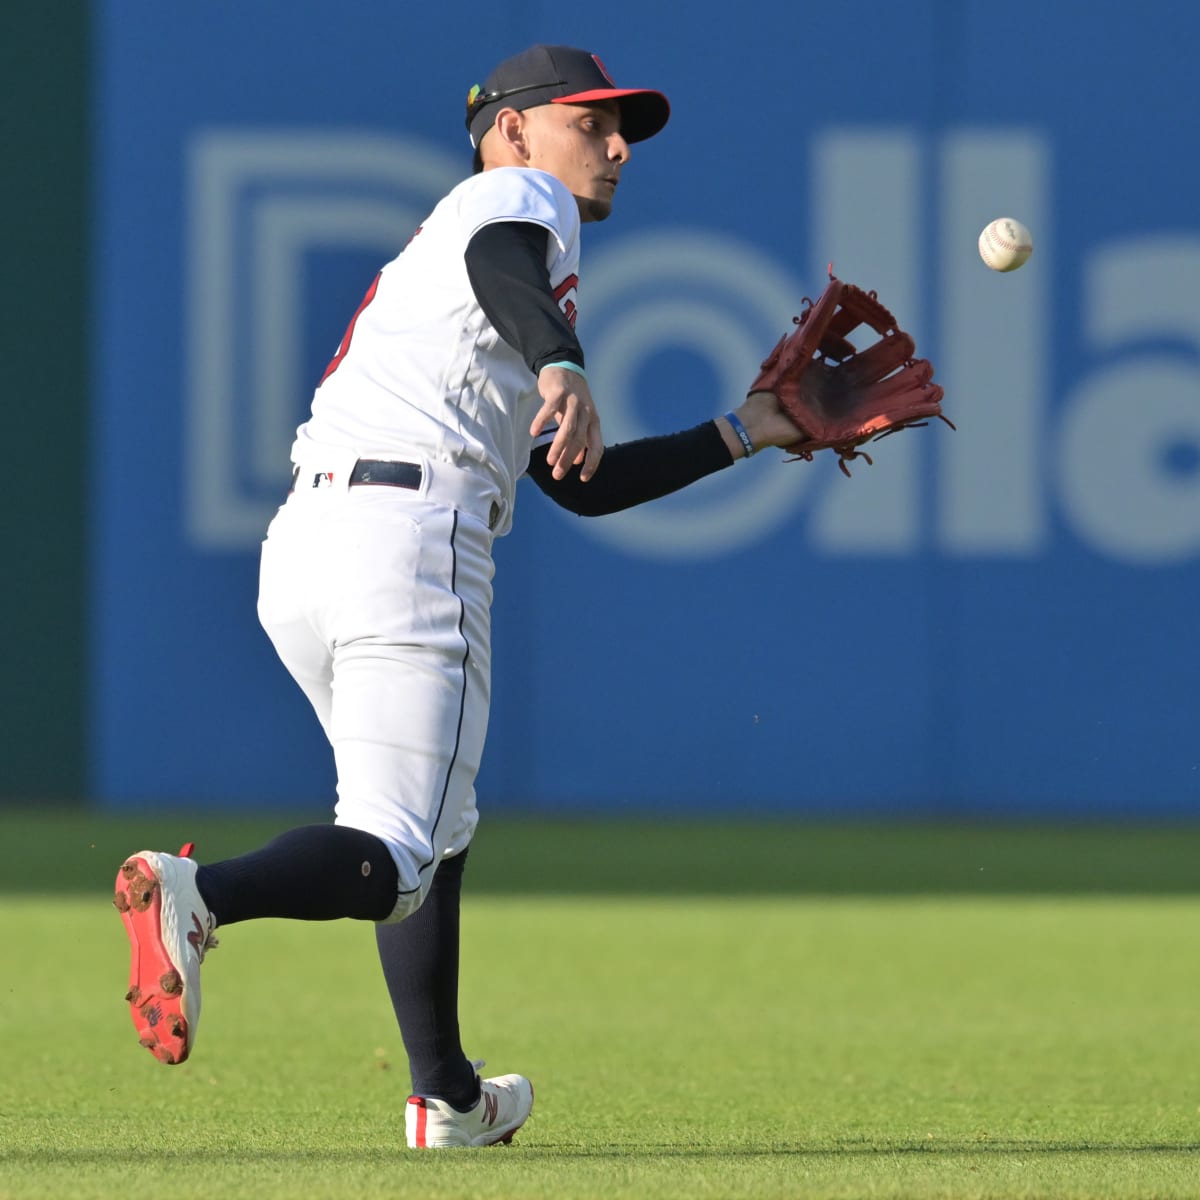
(323, 479)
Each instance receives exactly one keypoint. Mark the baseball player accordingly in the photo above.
(459, 373)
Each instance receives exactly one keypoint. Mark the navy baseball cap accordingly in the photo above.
(561, 75)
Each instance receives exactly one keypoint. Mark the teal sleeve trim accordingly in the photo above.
(569, 366)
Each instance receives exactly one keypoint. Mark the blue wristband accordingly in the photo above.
(567, 366)
(743, 436)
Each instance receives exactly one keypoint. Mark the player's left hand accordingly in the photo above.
(568, 400)
(766, 422)
(839, 394)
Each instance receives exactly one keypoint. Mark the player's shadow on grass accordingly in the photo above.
(230, 1155)
(933, 1148)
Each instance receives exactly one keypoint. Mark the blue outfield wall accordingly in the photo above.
(994, 621)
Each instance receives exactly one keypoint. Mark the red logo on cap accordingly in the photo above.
(603, 71)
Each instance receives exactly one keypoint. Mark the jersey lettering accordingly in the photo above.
(562, 295)
(407, 401)
(344, 346)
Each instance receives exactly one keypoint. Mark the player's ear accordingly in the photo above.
(511, 132)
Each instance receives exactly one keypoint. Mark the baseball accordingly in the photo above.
(1005, 244)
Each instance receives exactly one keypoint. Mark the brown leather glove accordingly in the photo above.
(840, 397)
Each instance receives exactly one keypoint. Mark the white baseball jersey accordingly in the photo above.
(421, 372)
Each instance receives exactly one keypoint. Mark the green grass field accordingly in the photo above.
(706, 1011)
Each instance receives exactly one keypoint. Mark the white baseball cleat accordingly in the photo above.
(504, 1106)
(170, 929)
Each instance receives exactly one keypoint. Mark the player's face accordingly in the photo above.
(580, 144)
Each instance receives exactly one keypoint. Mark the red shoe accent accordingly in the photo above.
(155, 993)
(422, 1115)
(187, 849)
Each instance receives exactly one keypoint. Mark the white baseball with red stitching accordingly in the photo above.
(1005, 244)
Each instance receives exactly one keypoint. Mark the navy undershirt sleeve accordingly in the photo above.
(506, 264)
(631, 473)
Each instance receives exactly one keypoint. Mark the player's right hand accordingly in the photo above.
(567, 399)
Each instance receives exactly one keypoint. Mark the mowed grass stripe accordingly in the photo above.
(671, 857)
(739, 1047)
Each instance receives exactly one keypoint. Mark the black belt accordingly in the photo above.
(372, 473)
(381, 473)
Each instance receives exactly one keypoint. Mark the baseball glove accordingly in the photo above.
(840, 397)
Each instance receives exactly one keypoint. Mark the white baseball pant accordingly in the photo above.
(377, 600)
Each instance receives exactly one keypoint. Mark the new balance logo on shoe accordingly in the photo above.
(198, 937)
(504, 1104)
(156, 895)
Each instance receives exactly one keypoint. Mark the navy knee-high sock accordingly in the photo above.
(314, 873)
(419, 956)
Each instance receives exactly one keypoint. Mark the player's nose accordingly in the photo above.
(618, 149)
